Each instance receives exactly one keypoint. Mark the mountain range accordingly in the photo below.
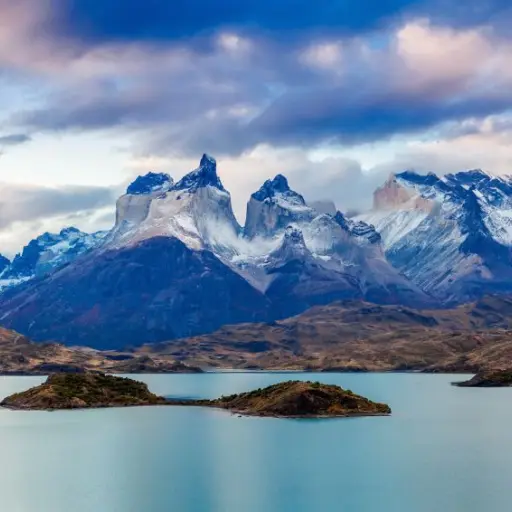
(450, 235)
(178, 264)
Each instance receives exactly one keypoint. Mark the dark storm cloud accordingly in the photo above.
(323, 114)
(174, 116)
(123, 71)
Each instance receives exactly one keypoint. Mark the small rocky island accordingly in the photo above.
(297, 399)
(293, 399)
(488, 379)
(82, 391)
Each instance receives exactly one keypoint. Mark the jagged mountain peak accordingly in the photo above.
(278, 185)
(470, 176)
(450, 234)
(430, 179)
(197, 210)
(205, 175)
(273, 207)
(208, 161)
(365, 231)
(150, 183)
(71, 230)
(454, 182)
(50, 251)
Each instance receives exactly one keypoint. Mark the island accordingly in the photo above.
(82, 391)
(488, 379)
(292, 399)
(298, 399)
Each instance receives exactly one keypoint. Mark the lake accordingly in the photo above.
(443, 449)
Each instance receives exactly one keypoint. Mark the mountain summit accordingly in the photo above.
(451, 235)
(205, 175)
(47, 253)
(150, 183)
(177, 263)
(273, 207)
(279, 185)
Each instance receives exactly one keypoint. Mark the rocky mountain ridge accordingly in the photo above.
(177, 263)
(451, 235)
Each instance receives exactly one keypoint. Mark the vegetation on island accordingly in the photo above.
(83, 390)
(301, 399)
(294, 399)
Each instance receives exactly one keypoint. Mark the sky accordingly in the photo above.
(334, 94)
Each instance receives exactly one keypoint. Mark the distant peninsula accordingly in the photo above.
(292, 399)
(488, 379)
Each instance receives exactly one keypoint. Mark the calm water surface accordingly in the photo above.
(444, 449)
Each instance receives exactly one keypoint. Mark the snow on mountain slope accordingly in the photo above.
(297, 279)
(157, 290)
(345, 255)
(273, 207)
(393, 225)
(450, 235)
(47, 253)
(196, 210)
(177, 263)
(150, 183)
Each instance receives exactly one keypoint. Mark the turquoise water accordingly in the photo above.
(444, 449)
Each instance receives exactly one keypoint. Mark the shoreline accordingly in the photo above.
(284, 371)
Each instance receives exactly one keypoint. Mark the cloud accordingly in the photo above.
(27, 203)
(26, 211)
(19, 233)
(251, 91)
(260, 85)
(14, 139)
(480, 143)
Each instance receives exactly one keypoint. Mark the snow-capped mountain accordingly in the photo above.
(157, 290)
(177, 263)
(150, 183)
(196, 210)
(451, 235)
(299, 279)
(273, 207)
(46, 253)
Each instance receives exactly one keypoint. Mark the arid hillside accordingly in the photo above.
(359, 336)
